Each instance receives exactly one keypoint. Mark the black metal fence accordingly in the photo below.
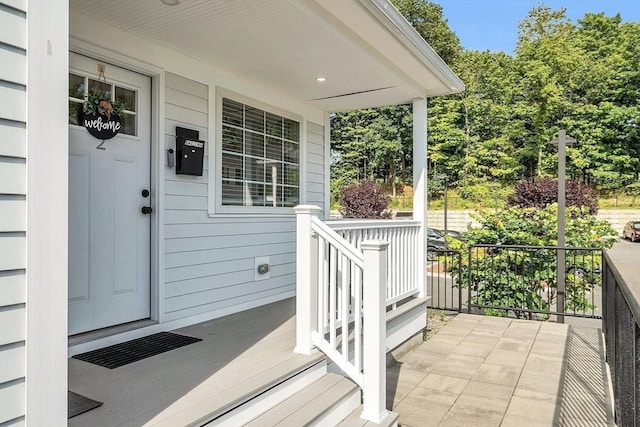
(517, 281)
(443, 271)
(622, 337)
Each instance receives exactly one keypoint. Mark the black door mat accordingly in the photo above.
(131, 351)
(78, 404)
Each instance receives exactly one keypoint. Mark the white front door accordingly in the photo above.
(109, 235)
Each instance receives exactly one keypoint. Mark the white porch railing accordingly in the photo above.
(341, 305)
(403, 239)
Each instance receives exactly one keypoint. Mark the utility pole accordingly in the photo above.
(562, 140)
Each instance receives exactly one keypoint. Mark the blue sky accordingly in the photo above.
(493, 24)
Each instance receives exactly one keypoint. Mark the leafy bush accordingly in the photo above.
(544, 191)
(487, 194)
(526, 278)
(365, 199)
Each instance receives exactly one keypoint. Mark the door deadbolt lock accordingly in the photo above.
(146, 210)
(145, 193)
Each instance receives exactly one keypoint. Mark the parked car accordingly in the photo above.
(435, 243)
(452, 233)
(631, 231)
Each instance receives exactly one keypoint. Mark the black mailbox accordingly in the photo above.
(189, 152)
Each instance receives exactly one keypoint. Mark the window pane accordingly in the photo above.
(75, 113)
(273, 169)
(128, 122)
(253, 119)
(254, 144)
(254, 169)
(292, 130)
(95, 85)
(232, 166)
(231, 139)
(231, 112)
(273, 195)
(291, 152)
(291, 175)
(274, 125)
(254, 195)
(274, 149)
(290, 196)
(76, 86)
(232, 193)
(127, 97)
(254, 152)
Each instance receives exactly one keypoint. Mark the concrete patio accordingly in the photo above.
(489, 371)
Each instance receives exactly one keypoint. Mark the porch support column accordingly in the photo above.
(45, 358)
(420, 187)
(374, 390)
(306, 278)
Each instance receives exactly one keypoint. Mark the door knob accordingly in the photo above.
(146, 210)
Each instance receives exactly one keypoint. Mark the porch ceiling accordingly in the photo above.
(369, 56)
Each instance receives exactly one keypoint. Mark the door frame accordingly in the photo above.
(156, 303)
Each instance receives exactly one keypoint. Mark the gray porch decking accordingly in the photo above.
(480, 371)
(238, 353)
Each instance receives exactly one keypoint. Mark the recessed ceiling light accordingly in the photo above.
(321, 79)
(171, 2)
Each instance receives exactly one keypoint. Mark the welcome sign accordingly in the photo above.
(102, 126)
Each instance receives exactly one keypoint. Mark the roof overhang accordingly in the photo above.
(367, 52)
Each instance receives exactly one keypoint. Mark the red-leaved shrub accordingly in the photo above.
(365, 199)
(544, 191)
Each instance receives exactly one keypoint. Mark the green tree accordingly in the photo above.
(377, 143)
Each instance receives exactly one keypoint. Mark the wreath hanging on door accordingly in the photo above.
(101, 114)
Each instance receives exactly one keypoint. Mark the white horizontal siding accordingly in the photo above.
(13, 102)
(12, 316)
(13, 176)
(13, 214)
(186, 259)
(198, 271)
(186, 115)
(13, 113)
(12, 400)
(315, 174)
(12, 252)
(253, 229)
(12, 287)
(195, 306)
(209, 261)
(189, 86)
(233, 241)
(13, 28)
(185, 100)
(185, 202)
(14, 67)
(20, 5)
(13, 136)
(12, 362)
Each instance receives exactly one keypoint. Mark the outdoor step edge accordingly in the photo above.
(314, 359)
(354, 420)
(307, 404)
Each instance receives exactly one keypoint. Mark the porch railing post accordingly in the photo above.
(306, 278)
(374, 333)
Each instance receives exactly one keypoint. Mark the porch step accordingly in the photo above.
(327, 402)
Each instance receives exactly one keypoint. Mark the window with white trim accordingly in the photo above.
(260, 157)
